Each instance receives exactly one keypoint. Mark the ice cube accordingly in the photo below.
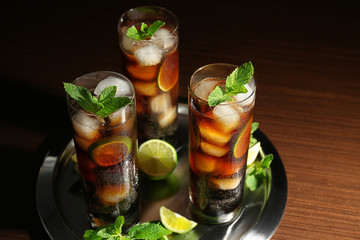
(204, 88)
(160, 103)
(226, 183)
(120, 116)
(112, 194)
(167, 117)
(149, 55)
(145, 88)
(82, 143)
(148, 73)
(127, 43)
(87, 126)
(203, 162)
(126, 128)
(122, 86)
(212, 149)
(228, 118)
(245, 99)
(164, 38)
(212, 135)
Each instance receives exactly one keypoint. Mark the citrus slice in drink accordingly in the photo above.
(242, 142)
(157, 158)
(253, 153)
(175, 222)
(110, 151)
(169, 72)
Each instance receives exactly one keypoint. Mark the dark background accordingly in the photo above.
(307, 68)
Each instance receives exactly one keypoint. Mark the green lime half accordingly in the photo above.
(157, 158)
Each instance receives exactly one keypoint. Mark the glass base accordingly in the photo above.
(131, 218)
(218, 219)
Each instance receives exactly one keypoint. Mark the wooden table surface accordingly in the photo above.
(307, 66)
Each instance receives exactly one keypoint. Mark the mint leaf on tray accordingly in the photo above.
(146, 231)
(257, 171)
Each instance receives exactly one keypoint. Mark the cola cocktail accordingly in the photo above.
(106, 145)
(218, 144)
(152, 64)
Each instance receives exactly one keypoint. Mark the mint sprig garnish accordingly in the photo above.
(103, 106)
(257, 172)
(145, 31)
(234, 85)
(146, 231)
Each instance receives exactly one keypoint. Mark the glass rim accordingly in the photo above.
(70, 101)
(176, 23)
(219, 64)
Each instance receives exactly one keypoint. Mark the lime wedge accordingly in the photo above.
(157, 158)
(175, 222)
(252, 153)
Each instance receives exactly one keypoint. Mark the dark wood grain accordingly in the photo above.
(307, 67)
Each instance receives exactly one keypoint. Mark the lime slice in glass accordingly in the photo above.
(175, 222)
(110, 151)
(157, 158)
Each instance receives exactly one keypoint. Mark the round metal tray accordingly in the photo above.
(63, 213)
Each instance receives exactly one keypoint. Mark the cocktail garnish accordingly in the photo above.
(103, 106)
(145, 31)
(147, 230)
(175, 222)
(234, 85)
(257, 171)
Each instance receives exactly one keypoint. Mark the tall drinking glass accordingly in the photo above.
(153, 67)
(218, 144)
(106, 152)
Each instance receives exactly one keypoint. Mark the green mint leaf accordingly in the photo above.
(83, 97)
(148, 231)
(145, 31)
(102, 107)
(251, 182)
(107, 231)
(87, 234)
(91, 234)
(153, 28)
(252, 141)
(234, 85)
(266, 161)
(112, 105)
(217, 96)
(133, 33)
(254, 126)
(107, 93)
(260, 173)
(143, 27)
(119, 222)
(238, 78)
